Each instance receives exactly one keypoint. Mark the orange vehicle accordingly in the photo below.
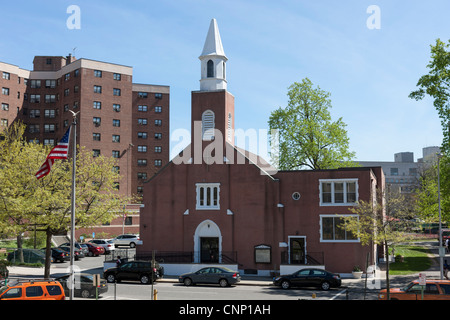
(434, 290)
(32, 290)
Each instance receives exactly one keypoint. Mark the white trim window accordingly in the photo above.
(332, 229)
(208, 196)
(208, 125)
(338, 192)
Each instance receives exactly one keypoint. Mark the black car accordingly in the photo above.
(134, 270)
(311, 277)
(84, 285)
(58, 254)
(78, 253)
(214, 275)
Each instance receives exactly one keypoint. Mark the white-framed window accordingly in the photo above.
(332, 229)
(338, 192)
(208, 196)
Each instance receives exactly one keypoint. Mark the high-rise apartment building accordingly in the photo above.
(116, 117)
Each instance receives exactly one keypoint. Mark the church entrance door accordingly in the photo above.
(209, 251)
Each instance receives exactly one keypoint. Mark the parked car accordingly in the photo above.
(214, 275)
(77, 245)
(58, 254)
(134, 270)
(29, 256)
(310, 277)
(84, 285)
(108, 245)
(130, 240)
(32, 290)
(94, 250)
(78, 254)
(434, 290)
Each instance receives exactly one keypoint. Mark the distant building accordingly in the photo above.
(118, 118)
(403, 172)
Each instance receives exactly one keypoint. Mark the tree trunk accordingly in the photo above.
(48, 253)
(19, 249)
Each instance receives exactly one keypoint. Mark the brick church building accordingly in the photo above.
(217, 203)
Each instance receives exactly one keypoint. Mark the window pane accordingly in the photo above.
(351, 192)
(215, 196)
(326, 192)
(327, 229)
(208, 196)
(338, 192)
(202, 196)
(339, 229)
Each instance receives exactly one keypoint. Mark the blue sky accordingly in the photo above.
(270, 45)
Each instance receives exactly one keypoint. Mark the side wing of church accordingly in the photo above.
(218, 204)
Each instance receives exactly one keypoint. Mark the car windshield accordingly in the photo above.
(3, 289)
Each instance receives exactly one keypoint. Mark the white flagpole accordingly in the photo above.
(72, 211)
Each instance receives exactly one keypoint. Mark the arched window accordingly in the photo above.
(210, 69)
(208, 125)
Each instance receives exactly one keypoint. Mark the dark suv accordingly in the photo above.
(135, 270)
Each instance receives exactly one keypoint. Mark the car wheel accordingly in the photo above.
(85, 293)
(145, 279)
(325, 285)
(132, 245)
(90, 254)
(223, 283)
(187, 282)
(111, 278)
(285, 284)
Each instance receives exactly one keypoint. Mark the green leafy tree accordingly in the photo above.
(46, 202)
(308, 138)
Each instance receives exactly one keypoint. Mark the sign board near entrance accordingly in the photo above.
(422, 279)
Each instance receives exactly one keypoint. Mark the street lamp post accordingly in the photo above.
(441, 248)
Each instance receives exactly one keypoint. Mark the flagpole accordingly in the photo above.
(72, 211)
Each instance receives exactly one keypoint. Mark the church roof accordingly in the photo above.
(213, 43)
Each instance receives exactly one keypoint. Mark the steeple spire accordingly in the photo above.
(213, 60)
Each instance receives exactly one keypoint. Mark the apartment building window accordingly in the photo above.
(158, 149)
(97, 89)
(116, 123)
(142, 175)
(142, 94)
(142, 108)
(66, 92)
(208, 196)
(158, 123)
(97, 121)
(158, 136)
(116, 107)
(50, 98)
(158, 109)
(95, 153)
(35, 98)
(49, 128)
(140, 190)
(49, 113)
(142, 135)
(67, 77)
(6, 76)
(97, 73)
(50, 83)
(5, 106)
(66, 107)
(35, 83)
(117, 76)
(332, 229)
(142, 121)
(115, 153)
(142, 162)
(35, 113)
(76, 73)
(4, 122)
(338, 192)
(394, 171)
(5, 91)
(33, 128)
(158, 95)
(96, 136)
(66, 123)
(142, 149)
(76, 89)
(97, 105)
(158, 163)
(116, 138)
(116, 92)
(49, 142)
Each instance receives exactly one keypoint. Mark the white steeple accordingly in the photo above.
(213, 59)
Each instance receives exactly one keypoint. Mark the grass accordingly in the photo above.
(415, 260)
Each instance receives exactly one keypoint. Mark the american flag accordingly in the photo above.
(60, 151)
